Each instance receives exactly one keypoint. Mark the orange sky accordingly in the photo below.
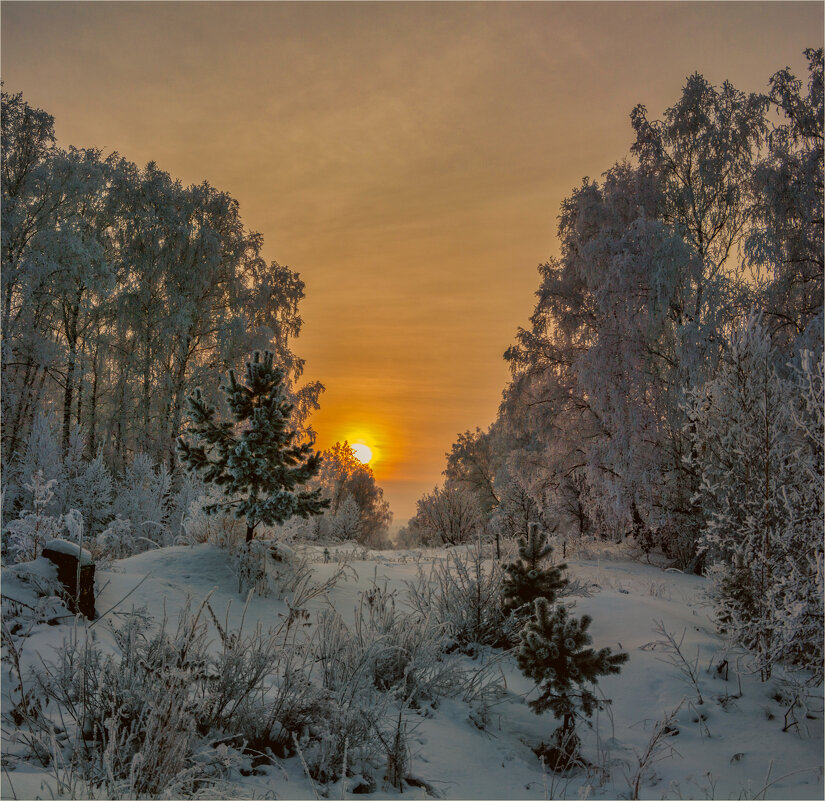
(408, 159)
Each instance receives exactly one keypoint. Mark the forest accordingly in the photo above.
(659, 445)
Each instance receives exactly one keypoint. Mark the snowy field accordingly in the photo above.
(726, 737)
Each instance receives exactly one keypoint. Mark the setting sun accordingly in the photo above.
(363, 453)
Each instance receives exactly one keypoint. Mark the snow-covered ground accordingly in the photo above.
(731, 744)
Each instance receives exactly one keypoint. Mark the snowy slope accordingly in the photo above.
(730, 746)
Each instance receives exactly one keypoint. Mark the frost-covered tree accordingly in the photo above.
(787, 238)
(345, 523)
(756, 432)
(255, 458)
(633, 313)
(448, 516)
(142, 497)
(532, 576)
(90, 492)
(86, 484)
(555, 653)
(41, 454)
(26, 536)
(122, 290)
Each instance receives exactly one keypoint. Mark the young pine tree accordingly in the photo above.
(255, 460)
(529, 578)
(554, 653)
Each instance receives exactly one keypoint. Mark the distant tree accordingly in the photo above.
(448, 516)
(342, 477)
(471, 464)
(409, 536)
(255, 459)
(531, 577)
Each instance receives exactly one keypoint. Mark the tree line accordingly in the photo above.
(123, 292)
(669, 386)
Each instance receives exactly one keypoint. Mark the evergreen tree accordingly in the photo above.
(255, 459)
(528, 578)
(554, 653)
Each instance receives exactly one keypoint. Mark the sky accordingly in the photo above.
(407, 159)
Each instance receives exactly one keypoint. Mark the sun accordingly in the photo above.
(363, 453)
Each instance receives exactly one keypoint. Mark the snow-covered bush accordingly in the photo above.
(387, 662)
(756, 442)
(223, 530)
(118, 540)
(448, 515)
(131, 715)
(391, 650)
(26, 536)
(269, 567)
(142, 496)
(249, 563)
(462, 592)
(32, 594)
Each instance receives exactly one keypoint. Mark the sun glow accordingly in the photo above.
(363, 453)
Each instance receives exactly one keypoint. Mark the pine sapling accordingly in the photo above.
(531, 577)
(255, 459)
(554, 653)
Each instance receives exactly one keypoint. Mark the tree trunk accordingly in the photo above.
(70, 325)
(68, 394)
(176, 412)
(93, 407)
(250, 532)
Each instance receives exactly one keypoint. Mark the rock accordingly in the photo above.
(65, 556)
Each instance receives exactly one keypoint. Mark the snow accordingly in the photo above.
(22, 582)
(731, 745)
(70, 548)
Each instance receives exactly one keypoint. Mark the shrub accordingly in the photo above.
(462, 592)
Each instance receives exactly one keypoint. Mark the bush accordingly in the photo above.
(462, 592)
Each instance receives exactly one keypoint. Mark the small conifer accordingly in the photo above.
(554, 653)
(528, 578)
(255, 459)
